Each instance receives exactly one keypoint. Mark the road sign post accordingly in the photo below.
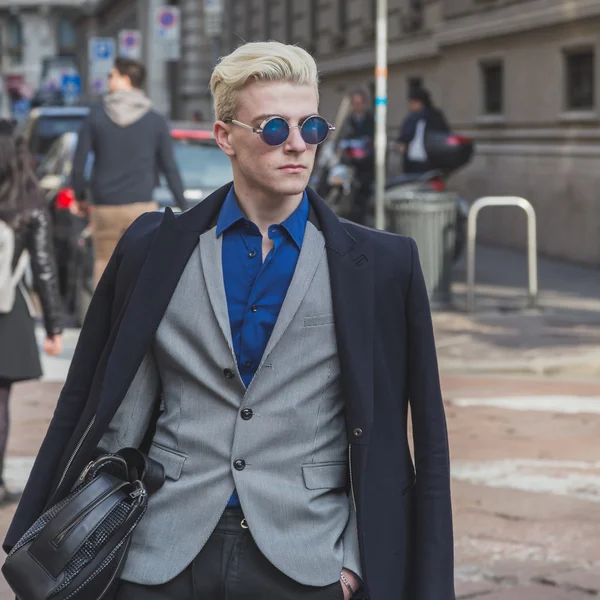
(130, 43)
(101, 52)
(167, 33)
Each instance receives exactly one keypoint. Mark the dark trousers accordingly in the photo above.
(230, 567)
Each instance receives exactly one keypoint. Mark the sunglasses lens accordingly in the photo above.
(314, 130)
(275, 132)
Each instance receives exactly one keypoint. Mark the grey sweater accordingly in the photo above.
(130, 146)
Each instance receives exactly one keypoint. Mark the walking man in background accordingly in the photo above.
(131, 143)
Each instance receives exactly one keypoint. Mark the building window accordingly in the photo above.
(580, 80)
(67, 37)
(493, 88)
(289, 21)
(313, 24)
(15, 40)
(232, 19)
(268, 8)
(342, 16)
(413, 84)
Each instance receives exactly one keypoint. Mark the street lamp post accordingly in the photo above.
(381, 74)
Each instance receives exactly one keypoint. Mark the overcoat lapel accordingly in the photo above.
(352, 274)
(166, 260)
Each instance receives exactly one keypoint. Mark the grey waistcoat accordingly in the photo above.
(293, 489)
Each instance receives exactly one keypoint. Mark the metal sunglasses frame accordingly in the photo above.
(260, 130)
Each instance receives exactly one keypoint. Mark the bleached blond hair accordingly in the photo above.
(259, 61)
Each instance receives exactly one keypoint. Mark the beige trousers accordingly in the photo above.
(109, 223)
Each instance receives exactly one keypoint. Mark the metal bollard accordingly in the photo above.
(531, 243)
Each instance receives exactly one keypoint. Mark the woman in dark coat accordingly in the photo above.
(23, 208)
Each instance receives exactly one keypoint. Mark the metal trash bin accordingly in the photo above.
(430, 219)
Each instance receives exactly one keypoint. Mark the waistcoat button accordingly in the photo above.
(229, 373)
(247, 414)
(239, 464)
(358, 432)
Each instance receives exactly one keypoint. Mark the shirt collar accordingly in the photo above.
(295, 224)
(230, 214)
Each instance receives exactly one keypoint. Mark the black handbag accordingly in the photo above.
(77, 549)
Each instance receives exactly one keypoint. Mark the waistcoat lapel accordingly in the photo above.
(308, 262)
(211, 252)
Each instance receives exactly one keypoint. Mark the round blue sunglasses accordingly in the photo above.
(276, 130)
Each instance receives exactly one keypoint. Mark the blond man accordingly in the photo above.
(282, 346)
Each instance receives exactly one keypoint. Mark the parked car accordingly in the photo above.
(203, 167)
(45, 125)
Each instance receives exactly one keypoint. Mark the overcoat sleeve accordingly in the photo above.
(71, 403)
(433, 549)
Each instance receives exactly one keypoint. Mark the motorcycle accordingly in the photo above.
(336, 180)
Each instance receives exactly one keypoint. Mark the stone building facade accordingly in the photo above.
(32, 34)
(520, 76)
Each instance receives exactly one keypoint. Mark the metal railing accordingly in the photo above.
(531, 243)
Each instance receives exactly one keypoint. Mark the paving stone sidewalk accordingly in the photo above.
(561, 335)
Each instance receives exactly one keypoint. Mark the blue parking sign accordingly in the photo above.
(102, 50)
(71, 87)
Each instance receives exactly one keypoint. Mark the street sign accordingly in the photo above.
(71, 87)
(20, 109)
(102, 53)
(167, 33)
(213, 17)
(130, 43)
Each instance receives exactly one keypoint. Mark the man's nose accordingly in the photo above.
(295, 143)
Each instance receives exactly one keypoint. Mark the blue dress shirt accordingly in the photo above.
(255, 289)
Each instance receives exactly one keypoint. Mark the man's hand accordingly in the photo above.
(53, 346)
(354, 582)
(80, 209)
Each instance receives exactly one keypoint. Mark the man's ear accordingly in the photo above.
(222, 132)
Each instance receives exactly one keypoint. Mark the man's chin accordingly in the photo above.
(291, 188)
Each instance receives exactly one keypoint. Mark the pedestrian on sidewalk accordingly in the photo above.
(423, 118)
(25, 236)
(360, 126)
(131, 143)
(269, 351)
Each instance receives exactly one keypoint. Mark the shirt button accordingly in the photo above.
(247, 414)
(248, 364)
(239, 464)
(229, 373)
(254, 308)
(252, 254)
